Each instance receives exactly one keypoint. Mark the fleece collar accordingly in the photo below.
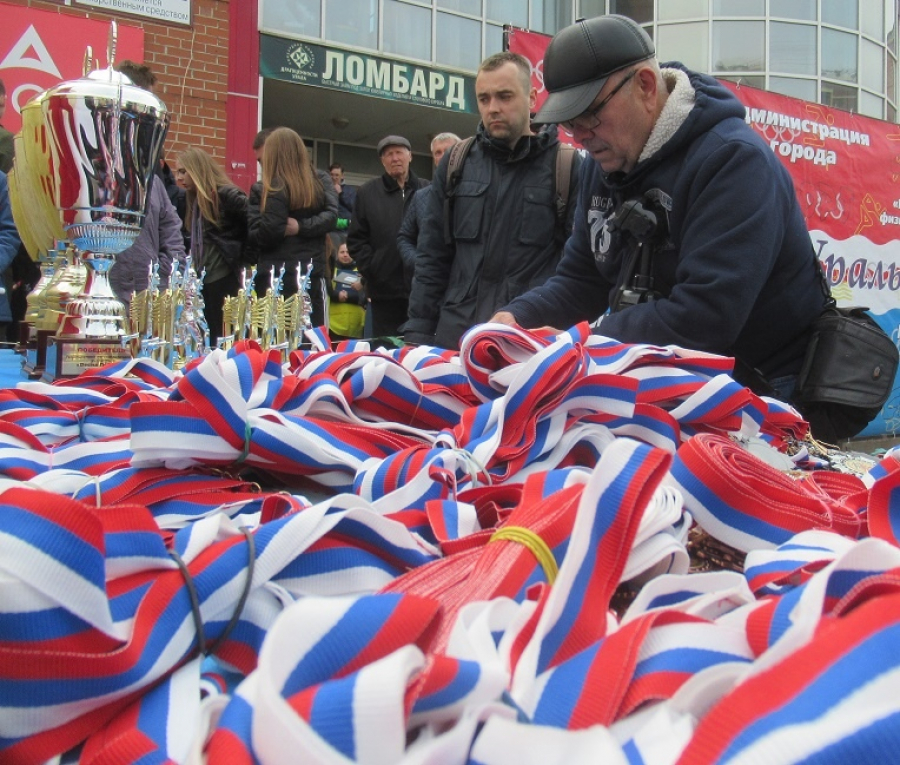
(676, 110)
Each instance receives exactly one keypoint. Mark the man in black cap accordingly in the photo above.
(372, 238)
(689, 229)
(497, 227)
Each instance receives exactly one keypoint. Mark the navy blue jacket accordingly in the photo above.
(738, 270)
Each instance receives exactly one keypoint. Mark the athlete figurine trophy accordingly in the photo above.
(102, 139)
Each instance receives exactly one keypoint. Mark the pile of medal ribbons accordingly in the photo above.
(539, 549)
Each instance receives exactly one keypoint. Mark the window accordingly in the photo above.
(753, 80)
(292, 16)
(639, 10)
(839, 96)
(841, 13)
(457, 41)
(493, 39)
(587, 9)
(839, 55)
(739, 46)
(871, 65)
(549, 16)
(683, 9)
(513, 12)
(792, 48)
(739, 8)
(871, 105)
(353, 22)
(687, 43)
(805, 10)
(791, 86)
(871, 20)
(463, 6)
(401, 17)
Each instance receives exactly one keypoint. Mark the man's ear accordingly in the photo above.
(648, 83)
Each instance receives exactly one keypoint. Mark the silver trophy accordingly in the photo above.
(102, 137)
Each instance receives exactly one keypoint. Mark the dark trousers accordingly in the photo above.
(388, 316)
(214, 294)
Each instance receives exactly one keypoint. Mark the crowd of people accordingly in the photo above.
(676, 224)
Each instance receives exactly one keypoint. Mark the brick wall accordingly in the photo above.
(191, 64)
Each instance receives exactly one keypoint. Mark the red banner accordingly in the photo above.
(532, 46)
(39, 49)
(846, 168)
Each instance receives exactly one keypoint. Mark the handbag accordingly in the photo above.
(847, 373)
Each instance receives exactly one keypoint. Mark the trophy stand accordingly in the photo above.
(86, 171)
(32, 343)
(92, 327)
(45, 311)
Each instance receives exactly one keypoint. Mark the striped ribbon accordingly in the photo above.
(125, 555)
(744, 502)
(115, 614)
(832, 700)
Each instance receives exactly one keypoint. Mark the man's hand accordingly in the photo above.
(504, 317)
(292, 228)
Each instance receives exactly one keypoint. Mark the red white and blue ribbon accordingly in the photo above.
(456, 587)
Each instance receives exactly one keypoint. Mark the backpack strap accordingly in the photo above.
(458, 154)
(565, 158)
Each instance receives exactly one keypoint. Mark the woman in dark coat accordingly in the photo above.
(216, 216)
(291, 211)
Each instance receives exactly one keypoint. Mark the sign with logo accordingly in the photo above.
(173, 11)
(846, 171)
(38, 49)
(310, 64)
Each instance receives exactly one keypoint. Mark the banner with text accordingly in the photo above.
(310, 64)
(171, 11)
(846, 171)
(39, 49)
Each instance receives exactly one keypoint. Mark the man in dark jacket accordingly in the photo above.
(372, 239)
(505, 232)
(732, 269)
(346, 195)
(408, 236)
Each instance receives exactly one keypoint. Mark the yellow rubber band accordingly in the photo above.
(533, 542)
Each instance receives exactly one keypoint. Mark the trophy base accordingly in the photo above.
(27, 334)
(35, 350)
(72, 356)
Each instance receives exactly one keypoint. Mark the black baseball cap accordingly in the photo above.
(581, 57)
(392, 140)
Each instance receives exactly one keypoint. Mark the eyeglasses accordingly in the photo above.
(590, 118)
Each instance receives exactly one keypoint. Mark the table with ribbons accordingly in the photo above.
(543, 548)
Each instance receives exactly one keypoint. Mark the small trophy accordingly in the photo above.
(91, 147)
(274, 321)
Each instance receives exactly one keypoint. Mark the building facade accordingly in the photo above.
(841, 53)
(344, 73)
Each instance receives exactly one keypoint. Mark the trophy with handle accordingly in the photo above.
(102, 139)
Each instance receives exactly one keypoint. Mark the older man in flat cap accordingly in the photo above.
(688, 231)
(372, 238)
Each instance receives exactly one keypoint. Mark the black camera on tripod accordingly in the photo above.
(640, 218)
